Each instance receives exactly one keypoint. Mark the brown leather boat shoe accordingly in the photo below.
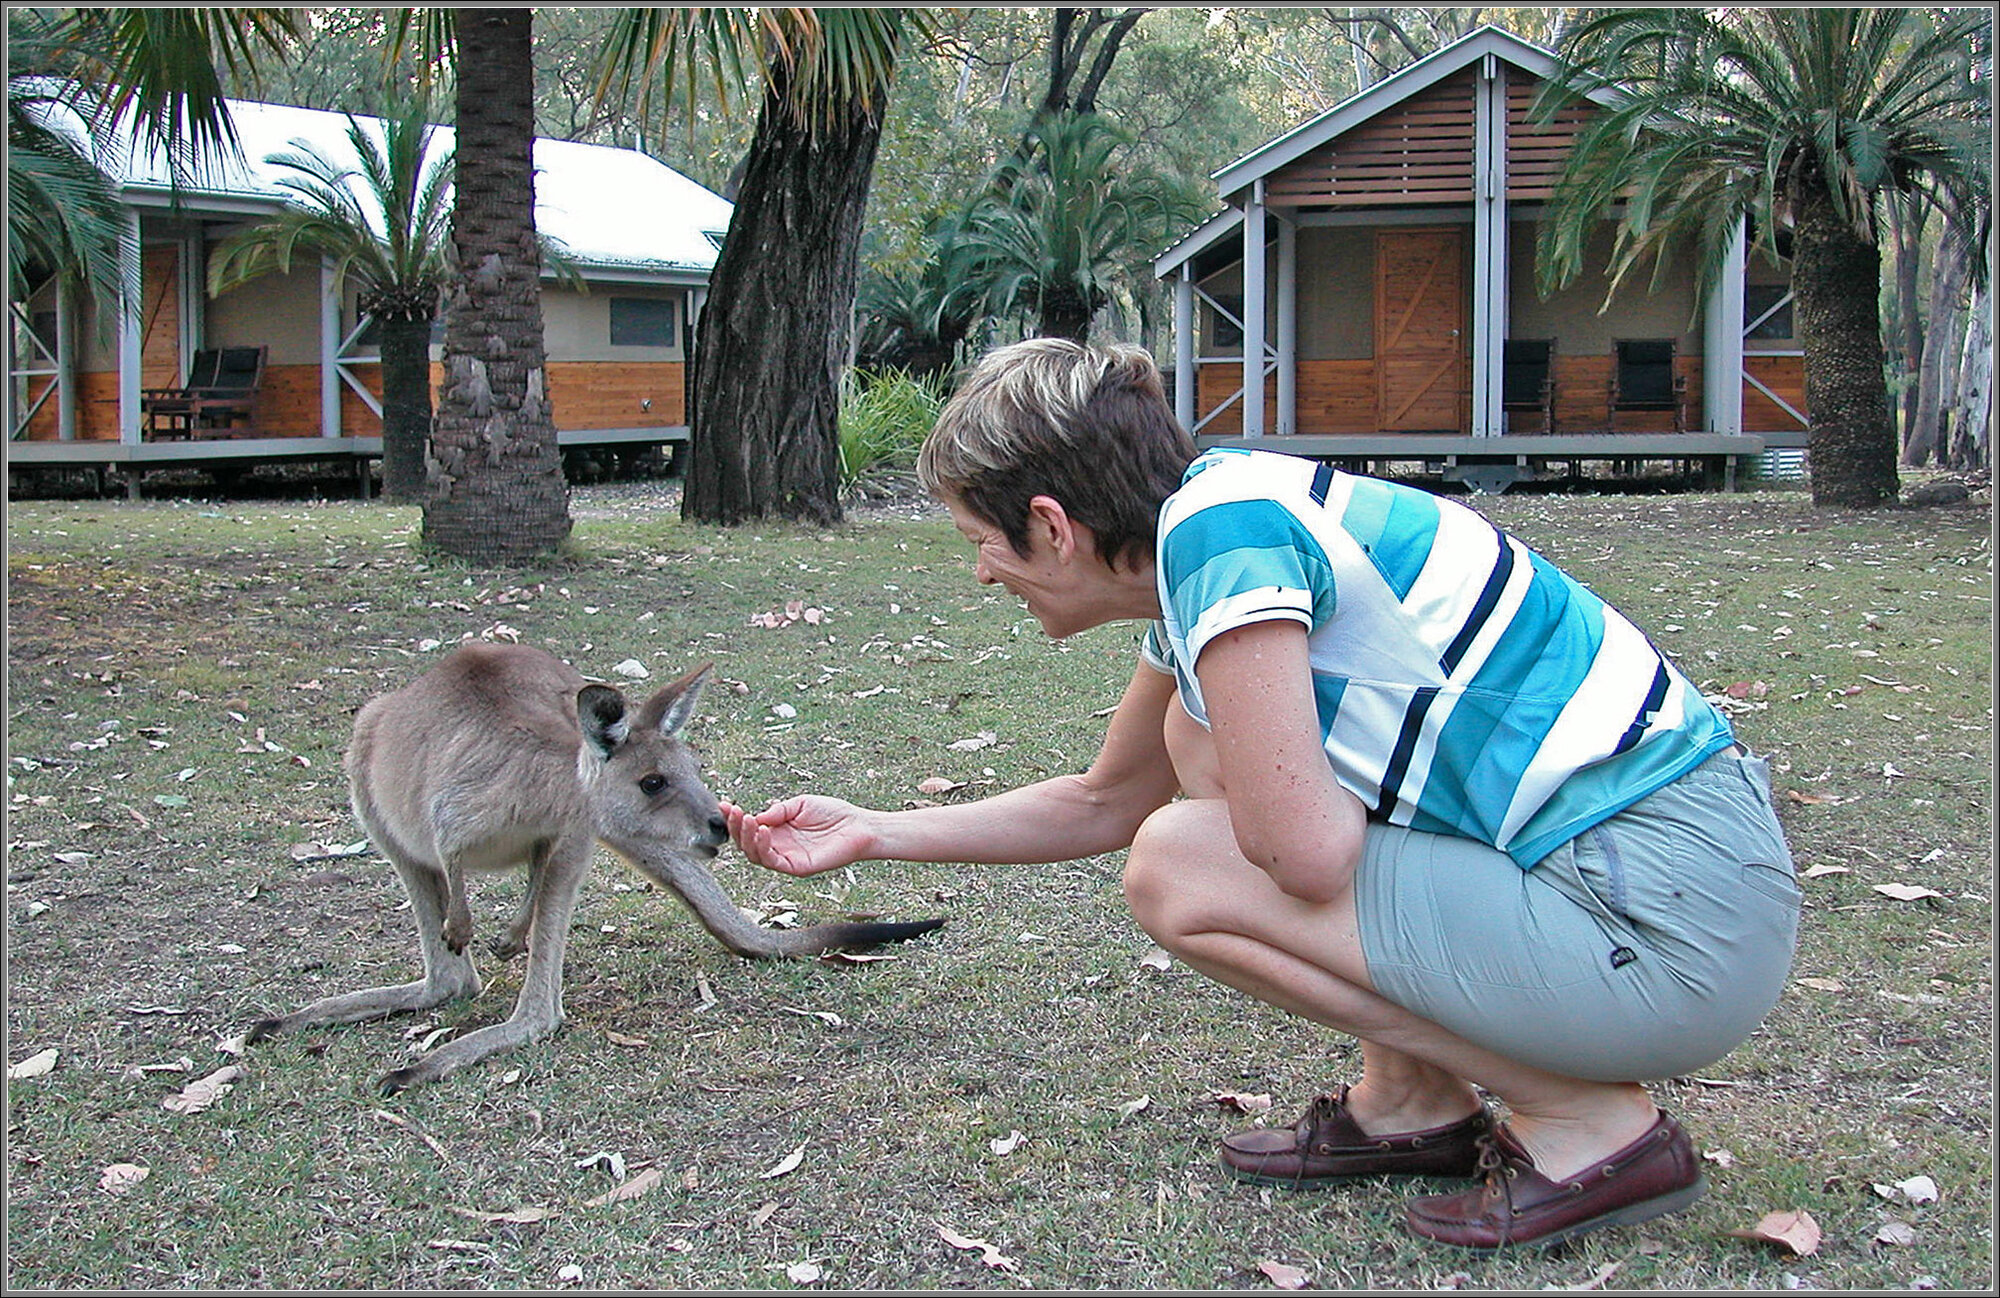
(1656, 1174)
(1327, 1145)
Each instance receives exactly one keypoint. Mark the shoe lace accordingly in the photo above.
(1494, 1169)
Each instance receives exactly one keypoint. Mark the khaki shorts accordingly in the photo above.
(1647, 947)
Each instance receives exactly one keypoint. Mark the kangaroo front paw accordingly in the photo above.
(507, 945)
(401, 1080)
(457, 932)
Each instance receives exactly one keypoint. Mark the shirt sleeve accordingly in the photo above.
(1245, 561)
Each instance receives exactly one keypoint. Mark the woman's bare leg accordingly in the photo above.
(1193, 890)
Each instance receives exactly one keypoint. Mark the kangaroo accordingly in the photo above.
(502, 756)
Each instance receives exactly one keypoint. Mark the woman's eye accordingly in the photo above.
(652, 784)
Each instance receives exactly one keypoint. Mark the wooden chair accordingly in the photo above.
(232, 397)
(169, 412)
(1643, 378)
(1527, 379)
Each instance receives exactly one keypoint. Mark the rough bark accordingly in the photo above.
(1837, 275)
(774, 336)
(406, 406)
(497, 492)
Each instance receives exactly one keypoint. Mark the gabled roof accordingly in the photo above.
(1238, 176)
(613, 210)
(1356, 109)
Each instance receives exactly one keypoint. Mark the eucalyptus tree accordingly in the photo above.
(383, 222)
(1802, 122)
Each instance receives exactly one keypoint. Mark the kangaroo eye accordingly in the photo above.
(652, 784)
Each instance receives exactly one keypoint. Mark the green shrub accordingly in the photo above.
(884, 417)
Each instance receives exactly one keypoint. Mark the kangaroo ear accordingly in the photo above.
(601, 710)
(669, 710)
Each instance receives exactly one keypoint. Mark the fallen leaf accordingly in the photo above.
(803, 1273)
(1795, 1230)
(121, 1178)
(632, 1189)
(937, 784)
(633, 669)
(1158, 960)
(1007, 1144)
(786, 1165)
(569, 1273)
(1901, 1234)
(199, 1095)
(1131, 1107)
(620, 1039)
(518, 1217)
(1282, 1275)
(1814, 872)
(827, 1017)
(1918, 1189)
(984, 739)
(39, 1064)
(1809, 799)
(1596, 1281)
(461, 1246)
(1823, 984)
(988, 1254)
(762, 1215)
(1720, 1157)
(1906, 891)
(1251, 1104)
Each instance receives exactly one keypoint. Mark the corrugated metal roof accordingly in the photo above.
(612, 209)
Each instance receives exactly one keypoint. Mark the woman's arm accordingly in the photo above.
(1057, 819)
(1292, 819)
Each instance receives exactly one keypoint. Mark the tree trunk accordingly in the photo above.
(406, 407)
(774, 335)
(1851, 441)
(499, 494)
(1907, 225)
(1927, 436)
(1970, 445)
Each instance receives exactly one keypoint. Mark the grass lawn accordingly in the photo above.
(180, 860)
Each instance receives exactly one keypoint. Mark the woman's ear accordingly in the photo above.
(1046, 515)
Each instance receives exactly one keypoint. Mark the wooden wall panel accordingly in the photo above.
(1537, 152)
(1333, 397)
(1784, 375)
(1418, 151)
(611, 394)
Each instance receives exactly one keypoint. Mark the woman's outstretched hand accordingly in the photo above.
(803, 835)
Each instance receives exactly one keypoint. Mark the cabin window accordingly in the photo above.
(1225, 332)
(642, 322)
(1767, 311)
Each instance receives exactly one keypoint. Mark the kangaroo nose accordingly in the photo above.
(718, 829)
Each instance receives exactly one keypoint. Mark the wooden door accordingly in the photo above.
(1420, 331)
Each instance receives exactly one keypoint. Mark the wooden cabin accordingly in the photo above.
(1380, 259)
(92, 385)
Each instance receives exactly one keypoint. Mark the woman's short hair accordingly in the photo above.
(1086, 425)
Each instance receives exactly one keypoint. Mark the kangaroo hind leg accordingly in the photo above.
(448, 975)
(550, 906)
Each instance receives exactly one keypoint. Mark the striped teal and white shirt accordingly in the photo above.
(1465, 685)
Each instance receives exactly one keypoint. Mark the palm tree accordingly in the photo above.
(110, 72)
(1060, 231)
(1802, 122)
(62, 218)
(384, 223)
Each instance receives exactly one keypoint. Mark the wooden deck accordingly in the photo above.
(129, 461)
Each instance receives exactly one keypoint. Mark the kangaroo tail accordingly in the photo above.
(849, 935)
